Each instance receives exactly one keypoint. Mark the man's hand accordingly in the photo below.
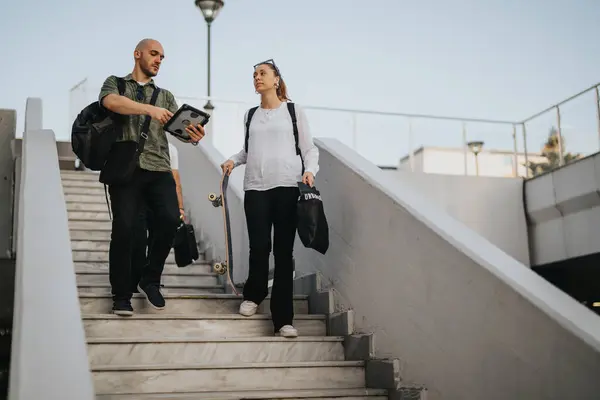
(181, 214)
(162, 115)
(196, 133)
(227, 167)
(308, 178)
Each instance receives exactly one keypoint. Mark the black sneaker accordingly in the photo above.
(122, 308)
(153, 295)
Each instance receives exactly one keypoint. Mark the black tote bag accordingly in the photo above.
(313, 229)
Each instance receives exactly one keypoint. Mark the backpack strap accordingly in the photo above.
(146, 127)
(250, 114)
(121, 85)
(292, 110)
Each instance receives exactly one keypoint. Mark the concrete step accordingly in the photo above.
(183, 378)
(82, 183)
(89, 234)
(204, 325)
(170, 268)
(175, 280)
(102, 256)
(92, 244)
(210, 303)
(85, 198)
(321, 394)
(91, 225)
(97, 191)
(80, 176)
(200, 351)
(102, 244)
(89, 207)
(89, 215)
(180, 289)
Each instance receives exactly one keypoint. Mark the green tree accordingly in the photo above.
(551, 152)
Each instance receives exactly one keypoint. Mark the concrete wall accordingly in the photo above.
(48, 351)
(66, 157)
(8, 126)
(467, 320)
(492, 207)
(563, 207)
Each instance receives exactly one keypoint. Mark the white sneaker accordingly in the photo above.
(288, 331)
(248, 308)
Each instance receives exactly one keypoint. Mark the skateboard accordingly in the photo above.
(220, 200)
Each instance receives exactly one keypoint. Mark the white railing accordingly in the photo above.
(49, 354)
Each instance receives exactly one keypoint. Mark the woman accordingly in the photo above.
(273, 170)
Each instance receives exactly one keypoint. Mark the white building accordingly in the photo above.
(455, 161)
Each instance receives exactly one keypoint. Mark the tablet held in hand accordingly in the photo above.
(185, 116)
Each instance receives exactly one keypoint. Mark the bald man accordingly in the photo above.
(152, 183)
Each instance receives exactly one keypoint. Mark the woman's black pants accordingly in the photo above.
(274, 208)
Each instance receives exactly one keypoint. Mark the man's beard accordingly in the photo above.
(148, 72)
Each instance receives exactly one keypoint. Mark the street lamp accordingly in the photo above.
(475, 147)
(210, 9)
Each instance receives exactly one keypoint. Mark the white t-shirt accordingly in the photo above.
(174, 156)
(271, 160)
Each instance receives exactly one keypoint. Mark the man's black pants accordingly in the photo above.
(142, 237)
(157, 191)
(274, 208)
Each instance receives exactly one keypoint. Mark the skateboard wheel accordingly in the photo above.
(212, 197)
(219, 268)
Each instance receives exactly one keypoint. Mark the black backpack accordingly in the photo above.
(94, 131)
(292, 110)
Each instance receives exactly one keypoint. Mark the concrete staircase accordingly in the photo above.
(199, 347)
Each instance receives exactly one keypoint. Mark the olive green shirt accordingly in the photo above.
(155, 156)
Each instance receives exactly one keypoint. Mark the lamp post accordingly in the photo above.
(475, 147)
(210, 9)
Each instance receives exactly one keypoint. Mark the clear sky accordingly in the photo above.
(500, 59)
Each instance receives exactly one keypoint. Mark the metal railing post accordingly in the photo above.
(524, 129)
(598, 112)
(411, 154)
(465, 145)
(516, 152)
(561, 158)
(354, 132)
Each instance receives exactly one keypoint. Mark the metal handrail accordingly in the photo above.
(464, 120)
(559, 103)
(393, 113)
(561, 159)
(368, 112)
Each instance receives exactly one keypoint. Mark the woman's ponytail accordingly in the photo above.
(282, 90)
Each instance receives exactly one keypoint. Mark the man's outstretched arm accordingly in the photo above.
(110, 99)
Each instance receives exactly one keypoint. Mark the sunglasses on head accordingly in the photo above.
(269, 61)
